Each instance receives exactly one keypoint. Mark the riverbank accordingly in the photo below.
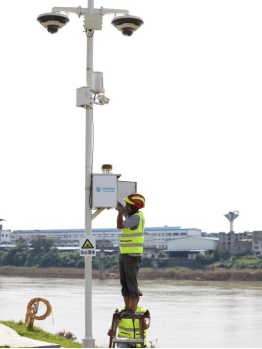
(178, 273)
(34, 333)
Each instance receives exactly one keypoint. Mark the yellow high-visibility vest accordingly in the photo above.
(131, 241)
(129, 328)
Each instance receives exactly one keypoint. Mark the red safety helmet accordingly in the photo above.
(136, 199)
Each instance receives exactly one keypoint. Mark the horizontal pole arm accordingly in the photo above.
(77, 10)
(107, 11)
(82, 11)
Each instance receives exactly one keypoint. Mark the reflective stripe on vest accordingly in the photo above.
(131, 241)
(126, 327)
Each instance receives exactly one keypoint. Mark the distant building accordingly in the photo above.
(257, 243)
(190, 246)
(154, 237)
(235, 243)
(174, 240)
(5, 237)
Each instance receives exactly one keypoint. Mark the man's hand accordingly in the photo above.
(110, 333)
(118, 207)
(146, 324)
(119, 217)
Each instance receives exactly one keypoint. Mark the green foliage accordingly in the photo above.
(15, 255)
(95, 262)
(38, 334)
(3, 255)
(216, 256)
(242, 262)
(227, 260)
(41, 244)
(50, 259)
(245, 253)
(111, 261)
(44, 256)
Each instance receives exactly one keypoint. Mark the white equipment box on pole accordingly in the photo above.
(107, 190)
(104, 190)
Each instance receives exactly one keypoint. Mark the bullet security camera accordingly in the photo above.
(103, 99)
(127, 24)
(52, 21)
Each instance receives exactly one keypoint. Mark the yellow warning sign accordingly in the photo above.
(87, 244)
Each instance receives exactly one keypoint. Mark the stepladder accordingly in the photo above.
(138, 340)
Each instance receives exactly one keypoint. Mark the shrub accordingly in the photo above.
(68, 335)
(111, 261)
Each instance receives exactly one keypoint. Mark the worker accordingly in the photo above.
(131, 249)
(126, 326)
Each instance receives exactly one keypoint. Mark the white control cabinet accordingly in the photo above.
(104, 190)
(107, 190)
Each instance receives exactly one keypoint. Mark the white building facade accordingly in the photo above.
(5, 237)
(190, 246)
(154, 237)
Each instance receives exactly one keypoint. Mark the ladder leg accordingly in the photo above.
(112, 326)
(115, 329)
(141, 331)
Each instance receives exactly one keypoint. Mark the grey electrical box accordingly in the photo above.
(83, 96)
(125, 189)
(93, 21)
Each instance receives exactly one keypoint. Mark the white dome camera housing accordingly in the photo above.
(127, 24)
(52, 21)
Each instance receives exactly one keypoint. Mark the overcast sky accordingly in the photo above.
(184, 118)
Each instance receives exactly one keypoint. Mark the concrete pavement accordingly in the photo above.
(14, 340)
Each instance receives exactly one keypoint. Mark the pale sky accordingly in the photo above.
(184, 118)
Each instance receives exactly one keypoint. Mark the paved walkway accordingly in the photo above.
(14, 340)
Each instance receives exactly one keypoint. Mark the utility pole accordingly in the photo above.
(127, 24)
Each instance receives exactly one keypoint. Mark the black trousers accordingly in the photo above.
(128, 269)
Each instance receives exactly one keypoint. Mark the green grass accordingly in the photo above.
(38, 334)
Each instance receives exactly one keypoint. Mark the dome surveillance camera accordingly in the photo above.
(127, 24)
(52, 21)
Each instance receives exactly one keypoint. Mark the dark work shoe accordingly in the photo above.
(128, 314)
(118, 313)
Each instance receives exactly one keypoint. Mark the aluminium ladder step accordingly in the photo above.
(128, 340)
(140, 340)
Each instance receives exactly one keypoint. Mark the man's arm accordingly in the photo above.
(130, 222)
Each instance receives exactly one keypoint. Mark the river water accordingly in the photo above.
(184, 314)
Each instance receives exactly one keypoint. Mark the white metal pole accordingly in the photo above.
(88, 341)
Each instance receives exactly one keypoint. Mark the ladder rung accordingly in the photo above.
(137, 316)
(128, 340)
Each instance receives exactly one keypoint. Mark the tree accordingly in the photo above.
(50, 259)
(111, 261)
(41, 244)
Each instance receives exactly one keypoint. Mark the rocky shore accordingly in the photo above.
(178, 273)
